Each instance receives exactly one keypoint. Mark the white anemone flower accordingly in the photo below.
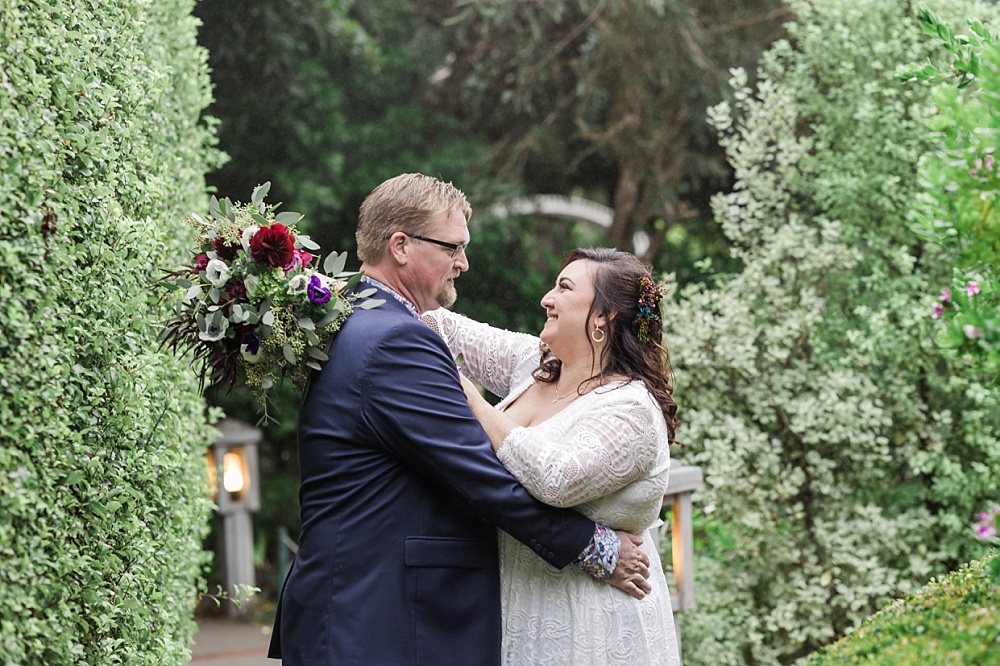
(246, 236)
(215, 328)
(298, 285)
(217, 272)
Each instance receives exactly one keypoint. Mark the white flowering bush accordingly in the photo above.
(844, 453)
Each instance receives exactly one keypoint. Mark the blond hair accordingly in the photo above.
(405, 203)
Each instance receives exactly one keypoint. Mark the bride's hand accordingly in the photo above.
(472, 393)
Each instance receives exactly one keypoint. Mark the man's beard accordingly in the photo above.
(447, 296)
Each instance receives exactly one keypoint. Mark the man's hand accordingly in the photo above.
(632, 571)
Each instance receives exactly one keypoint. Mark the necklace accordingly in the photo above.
(563, 397)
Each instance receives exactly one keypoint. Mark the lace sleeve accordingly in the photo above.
(492, 356)
(613, 443)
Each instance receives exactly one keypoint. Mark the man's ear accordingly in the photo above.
(398, 249)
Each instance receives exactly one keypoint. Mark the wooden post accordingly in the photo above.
(684, 480)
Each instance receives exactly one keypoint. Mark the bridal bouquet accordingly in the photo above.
(254, 309)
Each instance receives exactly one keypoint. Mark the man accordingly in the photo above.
(401, 492)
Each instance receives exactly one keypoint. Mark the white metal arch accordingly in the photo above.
(557, 205)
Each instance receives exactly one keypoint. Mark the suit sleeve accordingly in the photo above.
(416, 407)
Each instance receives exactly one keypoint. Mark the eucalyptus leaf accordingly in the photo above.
(287, 218)
(372, 303)
(366, 293)
(289, 353)
(192, 293)
(260, 192)
(314, 365)
(317, 353)
(308, 243)
(334, 263)
(306, 323)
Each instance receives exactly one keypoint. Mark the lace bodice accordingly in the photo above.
(605, 454)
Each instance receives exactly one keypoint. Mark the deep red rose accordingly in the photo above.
(225, 251)
(200, 262)
(273, 245)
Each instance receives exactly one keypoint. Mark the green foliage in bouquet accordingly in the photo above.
(254, 310)
(958, 208)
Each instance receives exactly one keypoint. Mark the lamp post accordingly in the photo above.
(237, 495)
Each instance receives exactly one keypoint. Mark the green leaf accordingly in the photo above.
(308, 243)
(260, 192)
(287, 218)
(317, 353)
(334, 263)
(372, 303)
(74, 477)
(306, 323)
(289, 353)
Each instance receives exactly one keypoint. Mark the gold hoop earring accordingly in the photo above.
(593, 335)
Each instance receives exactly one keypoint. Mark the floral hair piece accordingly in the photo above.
(648, 311)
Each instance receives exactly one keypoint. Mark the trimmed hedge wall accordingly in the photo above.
(952, 621)
(102, 439)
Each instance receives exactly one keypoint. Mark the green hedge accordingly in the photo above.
(950, 622)
(102, 438)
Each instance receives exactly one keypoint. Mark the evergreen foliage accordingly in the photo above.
(103, 499)
(950, 622)
(845, 455)
(957, 209)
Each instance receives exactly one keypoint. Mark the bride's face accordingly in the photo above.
(567, 331)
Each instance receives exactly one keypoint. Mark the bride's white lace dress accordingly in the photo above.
(604, 454)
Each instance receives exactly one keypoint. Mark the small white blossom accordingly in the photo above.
(215, 329)
(250, 282)
(298, 285)
(217, 272)
(246, 236)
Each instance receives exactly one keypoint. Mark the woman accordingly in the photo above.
(584, 421)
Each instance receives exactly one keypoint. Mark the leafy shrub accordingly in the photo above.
(102, 503)
(961, 182)
(950, 622)
(845, 453)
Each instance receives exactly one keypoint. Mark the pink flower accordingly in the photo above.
(972, 288)
(938, 310)
(972, 332)
(300, 259)
(989, 162)
(945, 296)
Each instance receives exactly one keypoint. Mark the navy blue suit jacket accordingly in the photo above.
(401, 495)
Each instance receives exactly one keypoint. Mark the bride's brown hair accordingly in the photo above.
(616, 296)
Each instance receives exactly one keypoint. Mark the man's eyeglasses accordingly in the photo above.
(456, 248)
